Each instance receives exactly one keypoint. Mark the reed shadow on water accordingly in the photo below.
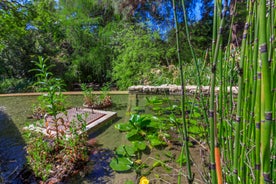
(12, 153)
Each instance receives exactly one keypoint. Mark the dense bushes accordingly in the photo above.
(93, 43)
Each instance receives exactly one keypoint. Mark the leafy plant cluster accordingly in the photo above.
(158, 130)
(94, 43)
(143, 132)
(55, 156)
(96, 101)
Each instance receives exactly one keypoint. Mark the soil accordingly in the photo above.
(168, 171)
(63, 120)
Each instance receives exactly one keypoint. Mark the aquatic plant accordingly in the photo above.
(241, 132)
(142, 131)
(54, 156)
(96, 101)
(144, 180)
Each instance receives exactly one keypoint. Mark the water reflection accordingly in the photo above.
(12, 153)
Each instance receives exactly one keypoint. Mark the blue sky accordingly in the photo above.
(165, 23)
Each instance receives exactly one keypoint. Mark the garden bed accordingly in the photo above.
(93, 119)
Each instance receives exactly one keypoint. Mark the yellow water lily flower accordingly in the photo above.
(144, 180)
(138, 162)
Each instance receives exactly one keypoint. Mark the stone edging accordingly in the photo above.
(172, 89)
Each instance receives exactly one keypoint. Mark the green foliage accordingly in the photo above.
(137, 52)
(88, 31)
(93, 100)
(50, 158)
(54, 156)
(53, 99)
(13, 85)
(89, 97)
(142, 132)
(155, 130)
(14, 18)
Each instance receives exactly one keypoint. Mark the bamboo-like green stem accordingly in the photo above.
(247, 71)
(239, 107)
(195, 62)
(214, 29)
(255, 109)
(258, 127)
(184, 128)
(212, 111)
(266, 97)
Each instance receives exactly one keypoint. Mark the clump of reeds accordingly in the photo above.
(243, 125)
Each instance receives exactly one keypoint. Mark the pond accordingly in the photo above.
(13, 117)
(14, 114)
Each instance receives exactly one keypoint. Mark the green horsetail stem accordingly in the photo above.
(258, 127)
(247, 127)
(239, 107)
(214, 36)
(184, 127)
(212, 111)
(256, 103)
(266, 97)
(195, 62)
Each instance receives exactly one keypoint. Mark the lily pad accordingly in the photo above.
(139, 145)
(126, 150)
(123, 127)
(121, 164)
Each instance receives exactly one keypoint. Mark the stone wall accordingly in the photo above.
(172, 89)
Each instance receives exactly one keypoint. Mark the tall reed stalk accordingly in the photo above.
(248, 141)
(212, 112)
(185, 137)
(266, 97)
(195, 59)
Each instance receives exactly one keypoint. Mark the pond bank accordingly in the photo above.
(168, 89)
(65, 93)
(171, 89)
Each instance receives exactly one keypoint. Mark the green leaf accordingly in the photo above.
(139, 145)
(195, 130)
(123, 127)
(132, 133)
(129, 182)
(154, 124)
(134, 118)
(126, 150)
(179, 160)
(142, 123)
(155, 141)
(121, 164)
(156, 164)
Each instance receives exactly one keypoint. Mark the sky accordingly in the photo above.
(165, 22)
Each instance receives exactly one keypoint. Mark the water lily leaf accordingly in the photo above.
(140, 145)
(123, 127)
(155, 141)
(126, 150)
(132, 133)
(121, 164)
(142, 123)
(134, 118)
(154, 124)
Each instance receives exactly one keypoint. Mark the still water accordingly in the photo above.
(13, 117)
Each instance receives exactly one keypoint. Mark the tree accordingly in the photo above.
(137, 53)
